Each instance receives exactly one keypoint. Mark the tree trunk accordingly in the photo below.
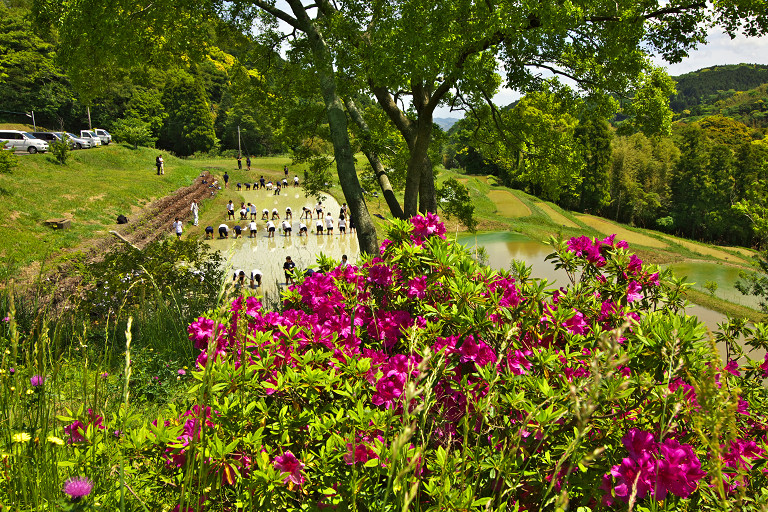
(420, 171)
(337, 122)
(427, 199)
(381, 175)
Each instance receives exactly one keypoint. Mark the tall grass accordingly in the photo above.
(56, 371)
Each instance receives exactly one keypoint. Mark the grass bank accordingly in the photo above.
(91, 189)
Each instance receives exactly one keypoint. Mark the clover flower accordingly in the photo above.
(37, 380)
(78, 487)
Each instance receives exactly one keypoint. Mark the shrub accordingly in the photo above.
(8, 161)
(60, 149)
(421, 379)
(134, 132)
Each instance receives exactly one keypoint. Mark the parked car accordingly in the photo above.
(79, 143)
(103, 135)
(23, 141)
(91, 137)
(51, 137)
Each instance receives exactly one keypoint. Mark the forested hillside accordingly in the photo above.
(699, 91)
(183, 106)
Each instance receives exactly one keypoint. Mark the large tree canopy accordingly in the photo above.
(413, 55)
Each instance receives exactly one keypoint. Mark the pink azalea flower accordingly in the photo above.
(678, 471)
(634, 291)
(288, 463)
(252, 306)
(635, 265)
(733, 368)
(417, 287)
(576, 324)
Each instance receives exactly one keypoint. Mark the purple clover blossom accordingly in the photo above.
(78, 487)
(182, 372)
(37, 380)
(6, 319)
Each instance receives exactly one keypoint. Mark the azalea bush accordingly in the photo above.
(422, 380)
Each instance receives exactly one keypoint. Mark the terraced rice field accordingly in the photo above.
(557, 217)
(508, 204)
(607, 228)
(705, 250)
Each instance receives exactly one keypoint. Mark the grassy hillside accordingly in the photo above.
(91, 189)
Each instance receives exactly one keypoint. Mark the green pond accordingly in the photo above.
(700, 272)
(503, 247)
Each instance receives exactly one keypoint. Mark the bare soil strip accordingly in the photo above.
(608, 228)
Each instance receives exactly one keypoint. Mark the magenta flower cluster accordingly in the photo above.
(652, 469)
(399, 313)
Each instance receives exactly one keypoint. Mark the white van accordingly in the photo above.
(104, 136)
(91, 137)
(23, 141)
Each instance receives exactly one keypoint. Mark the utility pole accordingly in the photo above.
(239, 153)
(32, 115)
(88, 108)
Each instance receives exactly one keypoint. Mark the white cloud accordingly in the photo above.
(719, 50)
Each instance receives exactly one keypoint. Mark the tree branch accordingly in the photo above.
(277, 13)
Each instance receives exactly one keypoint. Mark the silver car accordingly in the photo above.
(79, 143)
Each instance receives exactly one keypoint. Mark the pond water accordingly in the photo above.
(503, 247)
(725, 276)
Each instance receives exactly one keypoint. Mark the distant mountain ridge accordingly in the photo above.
(445, 123)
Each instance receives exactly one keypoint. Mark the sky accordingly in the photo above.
(720, 50)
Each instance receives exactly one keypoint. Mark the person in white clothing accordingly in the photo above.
(264, 214)
(329, 224)
(256, 277)
(239, 277)
(289, 213)
(253, 209)
(342, 225)
(270, 229)
(195, 210)
(177, 225)
(319, 226)
(302, 229)
(252, 229)
(295, 181)
(319, 210)
(223, 231)
(275, 214)
(286, 228)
